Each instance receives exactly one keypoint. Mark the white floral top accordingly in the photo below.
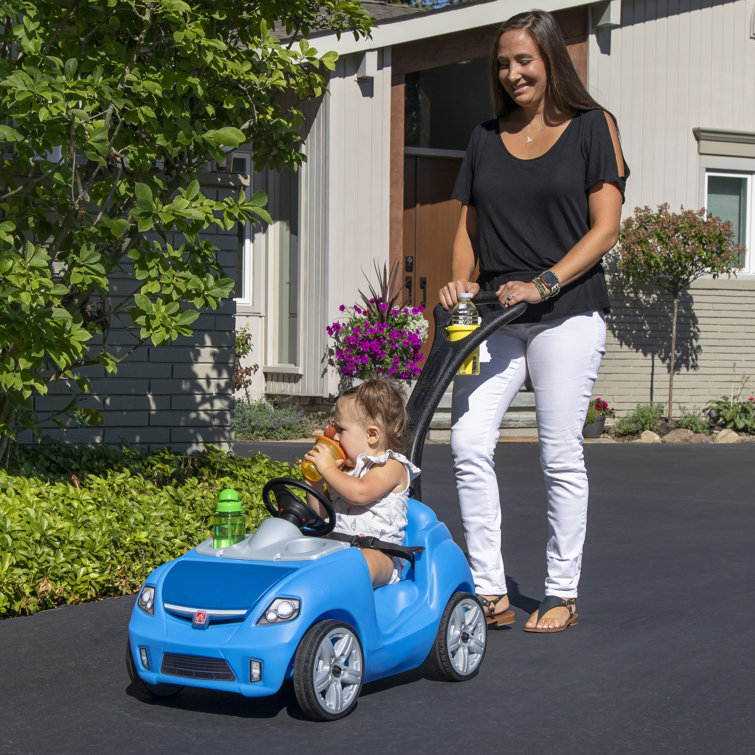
(384, 518)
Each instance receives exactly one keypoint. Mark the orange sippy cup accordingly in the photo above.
(309, 470)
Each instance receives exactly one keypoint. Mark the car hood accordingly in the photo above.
(220, 584)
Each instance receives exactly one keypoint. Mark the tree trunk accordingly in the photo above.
(672, 358)
(6, 442)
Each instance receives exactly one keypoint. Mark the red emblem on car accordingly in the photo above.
(200, 619)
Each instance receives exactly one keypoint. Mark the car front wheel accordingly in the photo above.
(328, 670)
(462, 638)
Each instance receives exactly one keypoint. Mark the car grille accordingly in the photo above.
(196, 667)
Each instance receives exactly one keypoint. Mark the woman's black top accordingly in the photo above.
(530, 213)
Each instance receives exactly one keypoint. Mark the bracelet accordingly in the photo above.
(541, 289)
(548, 284)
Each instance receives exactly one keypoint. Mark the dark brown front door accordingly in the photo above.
(430, 217)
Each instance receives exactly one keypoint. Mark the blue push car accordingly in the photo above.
(288, 603)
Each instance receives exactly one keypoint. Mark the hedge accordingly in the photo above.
(79, 524)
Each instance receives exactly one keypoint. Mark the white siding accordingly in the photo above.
(358, 183)
(673, 65)
(716, 333)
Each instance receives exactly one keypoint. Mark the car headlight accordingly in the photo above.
(146, 600)
(280, 611)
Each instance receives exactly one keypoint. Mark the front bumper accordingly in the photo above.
(216, 657)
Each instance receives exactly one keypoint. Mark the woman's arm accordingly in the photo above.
(463, 259)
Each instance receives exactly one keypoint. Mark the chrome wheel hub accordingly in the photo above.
(466, 636)
(338, 670)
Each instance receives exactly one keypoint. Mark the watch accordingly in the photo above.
(550, 280)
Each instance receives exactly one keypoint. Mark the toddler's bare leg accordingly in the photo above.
(380, 566)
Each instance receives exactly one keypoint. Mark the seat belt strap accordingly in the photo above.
(390, 549)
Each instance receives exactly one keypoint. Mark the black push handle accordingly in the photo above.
(443, 363)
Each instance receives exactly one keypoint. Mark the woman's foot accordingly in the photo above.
(553, 615)
(497, 612)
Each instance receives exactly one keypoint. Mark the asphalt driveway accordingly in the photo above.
(661, 660)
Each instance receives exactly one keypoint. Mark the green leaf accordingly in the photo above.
(229, 136)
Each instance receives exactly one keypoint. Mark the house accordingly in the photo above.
(383, 148)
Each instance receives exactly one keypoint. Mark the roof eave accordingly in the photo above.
(433, 24)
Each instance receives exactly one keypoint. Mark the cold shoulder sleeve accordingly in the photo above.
(600, 156)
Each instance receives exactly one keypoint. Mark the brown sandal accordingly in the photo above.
(493, 619)
(553, 601)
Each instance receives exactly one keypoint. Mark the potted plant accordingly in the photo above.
(595, 421)
(382, 336)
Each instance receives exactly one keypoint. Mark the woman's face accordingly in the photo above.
(521, 69)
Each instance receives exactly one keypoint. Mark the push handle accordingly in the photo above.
(442, 364)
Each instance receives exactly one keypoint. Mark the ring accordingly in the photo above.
(509, 297)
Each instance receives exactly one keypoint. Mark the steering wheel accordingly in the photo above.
(283, 503)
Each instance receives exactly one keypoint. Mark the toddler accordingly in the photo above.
(370, 489)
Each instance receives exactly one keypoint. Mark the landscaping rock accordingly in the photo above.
(648, 436)
(683, 435)
(727, 436)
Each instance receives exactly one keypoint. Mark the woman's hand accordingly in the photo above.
(449, 294)
(513, 292)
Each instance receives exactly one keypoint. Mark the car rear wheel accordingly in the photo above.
(462, 638)
(153, 690)
(328, 670)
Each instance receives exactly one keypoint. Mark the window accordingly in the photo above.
(240, 163)
(285, 266)
(727, 170)
(731, 196)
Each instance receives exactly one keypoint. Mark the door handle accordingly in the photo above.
(408, 286)
(423, 287)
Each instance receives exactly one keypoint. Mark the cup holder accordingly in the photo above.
(305, 545)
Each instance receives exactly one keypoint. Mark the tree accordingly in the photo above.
(669, 250)
(108, 110)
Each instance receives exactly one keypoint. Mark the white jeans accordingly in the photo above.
(562, 358)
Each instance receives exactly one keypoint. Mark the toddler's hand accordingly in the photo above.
(321, 457)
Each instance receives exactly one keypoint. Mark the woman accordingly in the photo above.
(541, 190)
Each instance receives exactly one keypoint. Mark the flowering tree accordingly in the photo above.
(669, 250)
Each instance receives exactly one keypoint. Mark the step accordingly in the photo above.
(519, 420)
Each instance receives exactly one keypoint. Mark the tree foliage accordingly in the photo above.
(108, 111)
(670, 250)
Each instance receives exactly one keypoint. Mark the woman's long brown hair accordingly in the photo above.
(565, 94)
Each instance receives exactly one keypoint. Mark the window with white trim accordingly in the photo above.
(284, 266)
(727, 185)
(241, 162)
(731, 196)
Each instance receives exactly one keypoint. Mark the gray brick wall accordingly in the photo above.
(177, 395)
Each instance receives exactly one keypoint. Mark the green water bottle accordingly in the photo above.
(228, 524)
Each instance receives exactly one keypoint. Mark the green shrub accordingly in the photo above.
(692, 420)
(263, 420)
(735, 412)
(644, 417)
(94, 522)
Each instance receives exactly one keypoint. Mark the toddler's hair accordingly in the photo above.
(381, 401)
